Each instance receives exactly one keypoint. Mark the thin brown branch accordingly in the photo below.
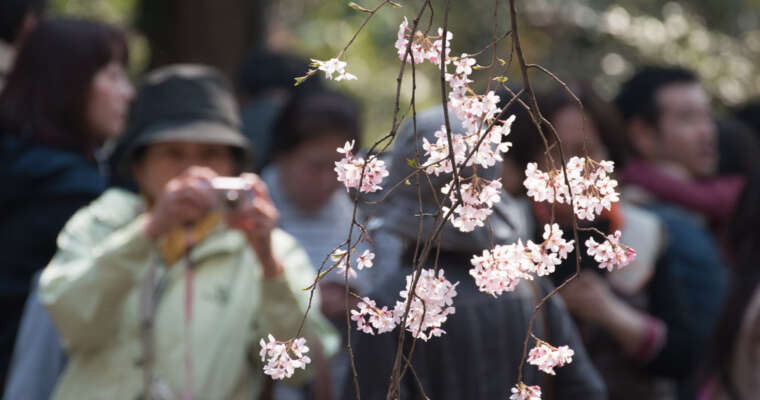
(361, 27)
(538, 120)
(445, 101)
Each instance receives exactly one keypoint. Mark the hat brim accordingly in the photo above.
(203, 131)
(208, 132)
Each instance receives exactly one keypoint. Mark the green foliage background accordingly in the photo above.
(602, 41)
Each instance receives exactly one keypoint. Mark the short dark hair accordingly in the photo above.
(312, 115)
(637, 96)
(46, 93)
(12, 14)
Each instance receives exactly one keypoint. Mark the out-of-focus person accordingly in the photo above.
(669, 123)
(17, 19)
(675, 141)
(749, 113)
(266, 85)
(53, 116)
(738, 147)
(314, 207)
(167, 292)
(633, 320)
(732, 369)
(479, 354)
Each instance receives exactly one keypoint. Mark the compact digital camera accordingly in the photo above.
(232, 191)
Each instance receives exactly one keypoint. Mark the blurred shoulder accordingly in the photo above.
(39, 170)
(283, 242)
(113, 209)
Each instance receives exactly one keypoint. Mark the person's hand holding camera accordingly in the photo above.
(184, 200)
(256, 218)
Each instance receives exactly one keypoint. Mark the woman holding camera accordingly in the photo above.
(168, 293)
(67, 94)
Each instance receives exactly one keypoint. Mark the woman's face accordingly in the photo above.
(108, 103)
(576, 128)
(164, 161)
(308, 172)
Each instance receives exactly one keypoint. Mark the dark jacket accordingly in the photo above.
(697, 266)
(479, 355)
(42, 187)
(664, 299)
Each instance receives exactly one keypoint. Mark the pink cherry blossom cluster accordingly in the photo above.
(282, 358)
(478, 115)
(369, 316)
(349, 170)
(500, 269)
(424, 48)
(546, 357)
(478, 198)
(610, 253)
(364, 260)
(432, 303)
(333, 66)
(522, 391)
(487, 154)
(592, 188)
(482, 134)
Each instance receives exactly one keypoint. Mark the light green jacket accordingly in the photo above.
(92, 290)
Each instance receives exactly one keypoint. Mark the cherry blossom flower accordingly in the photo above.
(458, 81)
(365, 260)
(489, 143)
(401, 41)
(610, 253)
(369, 316)
(349, 170)
(464, 64)
(434, 54)
(555, 242)
(478, 198)
(522, 391)
(282, 358)
(432, 303)
(592, 188)
(500, 269)
(546, 357)
(438, 152)
(333, 66)
(340, 257)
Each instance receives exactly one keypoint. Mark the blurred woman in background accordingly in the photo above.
(67, 94)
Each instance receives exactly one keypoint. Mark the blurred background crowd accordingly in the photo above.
(120, 279)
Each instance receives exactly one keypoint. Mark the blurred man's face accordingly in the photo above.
(686, 129)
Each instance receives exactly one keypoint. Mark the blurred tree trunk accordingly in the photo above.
(212, 32)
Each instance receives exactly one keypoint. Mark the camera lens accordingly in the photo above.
(232, 195)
